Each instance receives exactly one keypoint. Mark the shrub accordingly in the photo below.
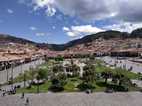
(84, 86)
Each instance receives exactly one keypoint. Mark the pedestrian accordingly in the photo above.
(27, 102)
(23, 95)
(3, 94)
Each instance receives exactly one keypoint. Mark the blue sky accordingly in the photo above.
(59, 21)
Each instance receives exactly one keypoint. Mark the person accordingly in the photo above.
(27, 102)
(23, 95)
(3, 94)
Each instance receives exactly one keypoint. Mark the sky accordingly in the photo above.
(60, 21)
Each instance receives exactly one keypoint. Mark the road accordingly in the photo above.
(136, 67)
(7, 74)
(75, 99)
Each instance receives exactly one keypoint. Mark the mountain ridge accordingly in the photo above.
(89, 38)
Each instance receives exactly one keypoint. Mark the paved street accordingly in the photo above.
(75, 99)
(136, 67)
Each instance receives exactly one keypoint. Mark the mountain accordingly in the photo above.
(137, 33)
(8, 38)
(105, 35)
(89, 38)
(86, 39)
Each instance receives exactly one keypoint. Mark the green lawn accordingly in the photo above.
(72, 84)
(43, 88)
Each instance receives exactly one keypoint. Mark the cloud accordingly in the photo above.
(76, 31)
(123, 27)
(116, 10)
(126, 10)
(42, 34)
(10, 11)
(48, 5)
(33, 28)
(66, 29)
(129, 10)
(85, 9)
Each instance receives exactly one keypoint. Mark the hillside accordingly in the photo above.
(89, 38)
(103, 42)
(8, 38)
(13, 48)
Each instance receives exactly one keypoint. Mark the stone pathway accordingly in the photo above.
(75, 99)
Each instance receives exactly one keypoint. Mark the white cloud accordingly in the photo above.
(72, 34)
(42, 34)
(86, 29)
(124, 26)
(10, 11)
(48, 5)
(66, 29)
(33, 28)
(76, 31)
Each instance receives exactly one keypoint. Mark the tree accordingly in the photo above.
(58, 68)
(121, 81)
(106, 75)
(88, 77)
(89, 73)
(59, 58)
(38, 78)
(62, 78)
(56, 85)
(42, 74)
